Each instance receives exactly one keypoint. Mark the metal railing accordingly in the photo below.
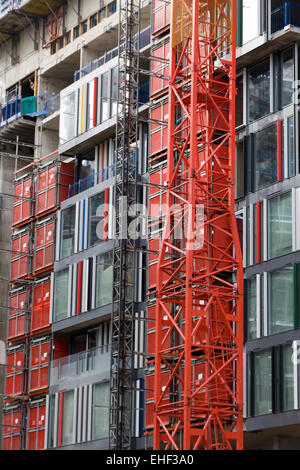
(287, 14)
(91, 180)
(96, 360)
(145, 36)
(94, 178)
(13, 107)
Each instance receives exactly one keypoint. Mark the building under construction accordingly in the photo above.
(149, 224)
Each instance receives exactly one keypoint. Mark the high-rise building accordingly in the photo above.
(79, 308)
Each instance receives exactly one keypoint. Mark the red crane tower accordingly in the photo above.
(198, 396)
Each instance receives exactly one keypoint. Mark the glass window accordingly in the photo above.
(287, 77)
(67, 118)
(76, 32)
(259, 90)
(250, 20)
(102, 13)
(78, 343)
(251, 309)
(248, 235)
(53, 47)
(86, 170)
(67, 240)
(262, 383)
(51, 421)
(93, 20)
(100, 415)
(105, 97)
(61, 285)
(290, 145)
(104, 279)
(280, 225)
(114, 90)
(288, 378)
(90, 107)
(67, 417)
(265, 157)
(112, 8)
(84, 27)
(68, 37)
(96, 219)
(239, 102)
(281, 300)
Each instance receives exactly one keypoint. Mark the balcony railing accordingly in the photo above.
(93, 361)
(287, 14)
(144, 41)
(91, 180)
(33, 106)
(94, 178)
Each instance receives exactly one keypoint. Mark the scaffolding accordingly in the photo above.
(125, 198)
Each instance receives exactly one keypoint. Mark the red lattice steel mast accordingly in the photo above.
(198, 395)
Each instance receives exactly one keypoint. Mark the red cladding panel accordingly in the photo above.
(20, 264)
(149, 398)
(151, 314)
(161, 17)
(41, 306)
(11, 435)
(39, 359)
(17, 318)
(159, 82)
(22, 209)
(152, 278)
(61, 349)
(14, 374)
(43, 255)
(44, 377)
(53, 185)
(42, 181)
(159, 130)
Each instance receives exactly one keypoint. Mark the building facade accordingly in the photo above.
(59, 78)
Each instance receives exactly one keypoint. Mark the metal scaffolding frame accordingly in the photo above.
(125, 197)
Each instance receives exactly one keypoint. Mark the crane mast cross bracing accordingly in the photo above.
(199, 320)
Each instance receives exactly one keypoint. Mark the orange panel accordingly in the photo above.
(33, 417)
(42, 180)
(44, 377)
(161, 17)
(31, 440)
(34, 380)
(22, 209)
(41, 306)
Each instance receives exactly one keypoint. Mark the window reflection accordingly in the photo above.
(96, 219)
(281, 302)
(67, 232)
(265, 157)
(67, 118)
(259, 90)
(250, 19)
(61, 287)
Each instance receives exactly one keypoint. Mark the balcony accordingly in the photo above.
(145, 37)
(95, 361)
(91, 180)
(32, 106)
(88, 108)
(288, 13)
(96, 178)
